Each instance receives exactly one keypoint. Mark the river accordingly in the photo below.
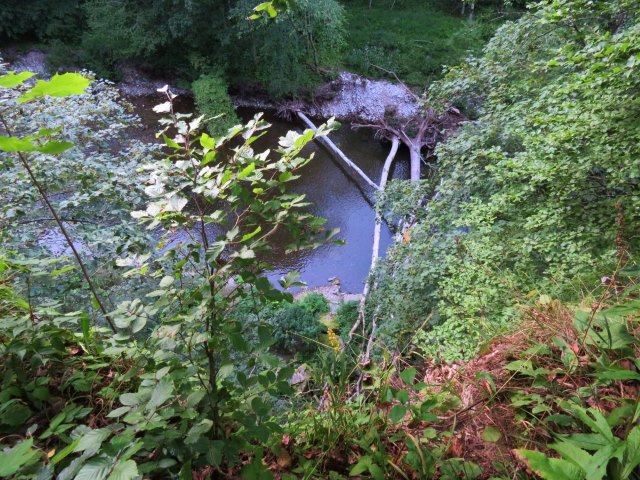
(333, 195)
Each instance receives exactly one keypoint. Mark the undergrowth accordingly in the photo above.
(414, 40)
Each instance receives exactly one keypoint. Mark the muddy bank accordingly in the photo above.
(135, 83)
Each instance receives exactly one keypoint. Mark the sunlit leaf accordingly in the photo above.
(13, 79)
(59, 86)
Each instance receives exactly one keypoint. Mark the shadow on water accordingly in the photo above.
(334, 196)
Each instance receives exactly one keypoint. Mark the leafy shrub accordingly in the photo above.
(41, 19)
(297, 325)
(196, 390)
(289, 55)
(346, 316)
(212, 99)
(366, 58)
(526, 197)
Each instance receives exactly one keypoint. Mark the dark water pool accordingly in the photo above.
(334, 196)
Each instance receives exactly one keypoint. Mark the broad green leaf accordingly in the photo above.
(362, 466)
(249, 236)
(402, 396)
(551, 468)
(246, 171)
(592, 418)
(13, 79)
(194, 398)
(124, 470)
(613, 372)
(161, 393)
(491, 434)
(15, 144)
(597, 468)
(185, 471)
(397, 413)
(129, 399)
(60, 271)
(170, 143)
(408, 375)
(12, 460)
(570, 452)
(207, 142)
(588, 441)
(65, 452)
(91, 441)
(195, 432)
(376, 472)
(59, 86)
(54, 148)
(95, 469)
(118, 412)
(631, 457)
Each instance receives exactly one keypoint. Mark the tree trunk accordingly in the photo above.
(338, 153)
(375, 251)
(395, 142)
(414, 155)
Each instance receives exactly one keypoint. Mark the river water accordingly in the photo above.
(333, 194)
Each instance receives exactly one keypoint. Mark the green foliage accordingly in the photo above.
(212, 101)
(539, 193)
(346, 316)
(153, 33)
(282, 54)
(288, 53)
(297, 326)
(341, 432)
(41, 19)
(287, 49)
(540, 189)
(414, 39)
(198, 382)
(592, 440)
(93, 186)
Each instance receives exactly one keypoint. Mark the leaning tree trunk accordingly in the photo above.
(375, 251)
(337, 153)
(415, 157)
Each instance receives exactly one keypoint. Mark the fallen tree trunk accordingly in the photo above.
(375, 253)
(395, 143)
(338, 153)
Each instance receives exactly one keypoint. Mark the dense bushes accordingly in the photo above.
(212, 100)
(414, 40)
(284, 56)
(41, 20)
(186, 39)
(537, 193)
(297, 326)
